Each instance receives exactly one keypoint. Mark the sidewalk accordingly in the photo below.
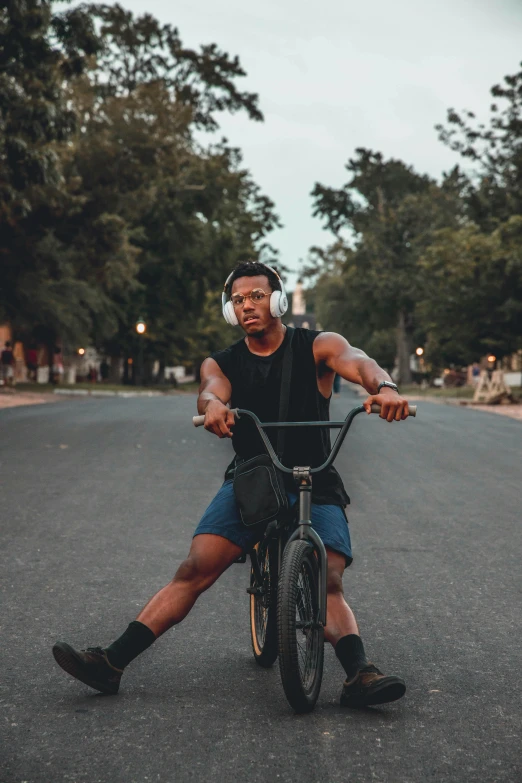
(11, 399)
(514, 411)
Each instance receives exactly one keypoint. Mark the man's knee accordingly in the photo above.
(195, 574)
(336, 566)
(334, 582)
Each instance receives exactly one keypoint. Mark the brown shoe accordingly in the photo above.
(90, 666)
(371, 687)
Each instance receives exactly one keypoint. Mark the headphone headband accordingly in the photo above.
(267, 267)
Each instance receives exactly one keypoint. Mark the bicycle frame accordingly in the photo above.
(303, 478)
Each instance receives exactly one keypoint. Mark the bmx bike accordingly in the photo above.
(288, 576)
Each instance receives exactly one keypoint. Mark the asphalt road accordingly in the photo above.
(99, 499)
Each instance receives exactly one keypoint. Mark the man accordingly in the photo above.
(248, 375)
(7, 361)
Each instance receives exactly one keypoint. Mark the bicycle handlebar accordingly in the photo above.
(198, 421)
(344, 426)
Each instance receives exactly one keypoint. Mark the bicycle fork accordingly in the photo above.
(305, 531)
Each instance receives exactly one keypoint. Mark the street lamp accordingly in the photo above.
(419, 351)
(492, 358)
(81, 351)
(141, 328)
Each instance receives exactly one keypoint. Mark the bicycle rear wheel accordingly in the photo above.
(263, 605)
(301, 635)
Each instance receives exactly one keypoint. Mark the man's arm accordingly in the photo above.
(354, 365)
(215, 392)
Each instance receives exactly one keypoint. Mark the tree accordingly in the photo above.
(143, 51)
(111, 207)
(472, 293)
(392, 213)
(49, 283)
(494, 189)
(191, 212)
(480, 297)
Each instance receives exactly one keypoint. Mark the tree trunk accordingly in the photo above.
(404, 348)
(160, 377)
(115, 370)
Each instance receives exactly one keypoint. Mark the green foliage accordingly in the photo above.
(142, 51)
(211, 332)
(392, 213)
(109, 206)
(494, 192)
(472, 301)
(436, 263)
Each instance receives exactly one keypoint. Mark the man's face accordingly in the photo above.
(253, 317)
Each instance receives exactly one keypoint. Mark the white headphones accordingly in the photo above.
(278, 301)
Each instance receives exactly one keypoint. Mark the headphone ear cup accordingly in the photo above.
(278, 304)
(229, 314)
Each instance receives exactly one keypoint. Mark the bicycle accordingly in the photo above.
(288, 577)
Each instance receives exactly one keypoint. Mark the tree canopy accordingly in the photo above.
(111, 205)
(433, 262)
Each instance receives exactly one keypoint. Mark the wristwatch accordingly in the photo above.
(387, 383)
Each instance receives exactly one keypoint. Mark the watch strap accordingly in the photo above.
(389, 384)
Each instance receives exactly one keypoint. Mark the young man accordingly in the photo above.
(248, 375)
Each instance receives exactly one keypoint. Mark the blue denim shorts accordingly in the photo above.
(222, 519)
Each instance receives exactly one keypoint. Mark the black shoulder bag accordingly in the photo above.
(258, 484)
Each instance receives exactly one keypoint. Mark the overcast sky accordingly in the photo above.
(340, 74)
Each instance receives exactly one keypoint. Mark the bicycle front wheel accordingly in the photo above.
(263, 605)
(301, 635)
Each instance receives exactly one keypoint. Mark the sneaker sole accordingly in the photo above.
(383, 693)
(67, 658)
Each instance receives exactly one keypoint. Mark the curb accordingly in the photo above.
(106, 393)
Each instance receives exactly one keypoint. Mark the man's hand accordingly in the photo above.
(219, 419)
(393, 406)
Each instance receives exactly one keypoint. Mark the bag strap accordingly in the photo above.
(284, 399)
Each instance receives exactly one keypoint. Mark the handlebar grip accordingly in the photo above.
(198, 421)
(412, 408)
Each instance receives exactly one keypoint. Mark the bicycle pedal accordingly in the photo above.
(255, 591)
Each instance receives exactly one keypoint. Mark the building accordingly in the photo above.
(299, 317)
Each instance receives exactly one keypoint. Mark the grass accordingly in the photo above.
(462, 392)
(455, 392)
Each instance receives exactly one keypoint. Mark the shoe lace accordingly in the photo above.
(370, 668)
(98, 650)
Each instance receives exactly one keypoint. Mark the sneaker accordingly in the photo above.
(90, 666)
(371, 687)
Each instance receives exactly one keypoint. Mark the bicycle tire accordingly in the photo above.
(297, 615)
(263, 609)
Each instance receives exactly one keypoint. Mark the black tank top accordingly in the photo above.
(256, 386)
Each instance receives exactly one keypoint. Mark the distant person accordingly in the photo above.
(57, 370)
(104, 370)
(31, 360)
(7, 361)
(337, 385)
(475, 373)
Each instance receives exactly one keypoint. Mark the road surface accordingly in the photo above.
(99, 498)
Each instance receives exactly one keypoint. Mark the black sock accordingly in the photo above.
(350, 651)
(131, 643)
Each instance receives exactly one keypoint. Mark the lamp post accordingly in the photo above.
(141, 328)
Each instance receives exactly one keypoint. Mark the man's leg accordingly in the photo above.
(365, 685)
(210, 555)
(340, 620)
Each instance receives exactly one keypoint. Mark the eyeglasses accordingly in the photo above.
(257, 295)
